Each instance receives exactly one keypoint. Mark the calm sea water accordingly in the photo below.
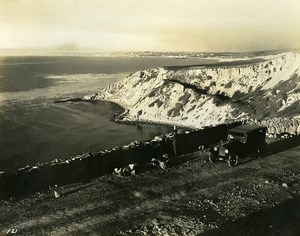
(34, 130)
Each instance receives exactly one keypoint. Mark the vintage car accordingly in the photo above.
(242, 141)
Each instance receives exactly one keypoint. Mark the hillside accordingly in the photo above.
(198, 96)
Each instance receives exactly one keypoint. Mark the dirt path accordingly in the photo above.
(192, 196)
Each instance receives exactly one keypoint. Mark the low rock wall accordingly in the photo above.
(91, 165)
(279, 126)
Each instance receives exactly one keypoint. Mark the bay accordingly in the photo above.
(33, 129)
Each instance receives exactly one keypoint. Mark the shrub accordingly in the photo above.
(192, 108)
(151, 94)
(157, 102)
(185, 98)
(176, 110)
(229, 84)
(213, 84)
(237, 94)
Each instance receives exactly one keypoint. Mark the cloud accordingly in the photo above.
(70, 46)
(194, 25)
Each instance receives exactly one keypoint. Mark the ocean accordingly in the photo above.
(34, 129)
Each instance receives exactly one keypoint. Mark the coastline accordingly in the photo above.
(196, 192)
(200, 97)
(123, 118)
(94, 164)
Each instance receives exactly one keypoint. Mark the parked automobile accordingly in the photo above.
(242, 141)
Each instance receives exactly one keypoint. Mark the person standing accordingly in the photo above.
(174, 141)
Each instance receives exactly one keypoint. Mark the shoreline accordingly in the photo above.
(91, 165)
(144, 187)
(131, 121)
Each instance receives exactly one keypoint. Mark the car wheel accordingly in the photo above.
(259, 153)
(233, 160)
(213, 157)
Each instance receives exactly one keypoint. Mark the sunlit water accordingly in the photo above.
(33, 129)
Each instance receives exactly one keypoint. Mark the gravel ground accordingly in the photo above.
(191, 196)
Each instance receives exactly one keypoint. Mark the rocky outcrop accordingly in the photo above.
(278, 127)
(201, 96)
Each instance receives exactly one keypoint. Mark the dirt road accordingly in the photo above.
(192, 196)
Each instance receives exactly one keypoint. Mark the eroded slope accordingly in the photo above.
(200, 96)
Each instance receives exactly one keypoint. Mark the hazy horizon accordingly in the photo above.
(56, 49)
(157, 25)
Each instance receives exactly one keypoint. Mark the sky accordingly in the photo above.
(150, 25)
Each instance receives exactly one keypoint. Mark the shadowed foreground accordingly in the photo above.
(191, 196)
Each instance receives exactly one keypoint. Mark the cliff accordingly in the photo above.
(198, 96)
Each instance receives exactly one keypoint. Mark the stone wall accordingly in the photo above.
(91, 165)
(278, 127)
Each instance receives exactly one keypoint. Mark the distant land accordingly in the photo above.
(87, 52)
